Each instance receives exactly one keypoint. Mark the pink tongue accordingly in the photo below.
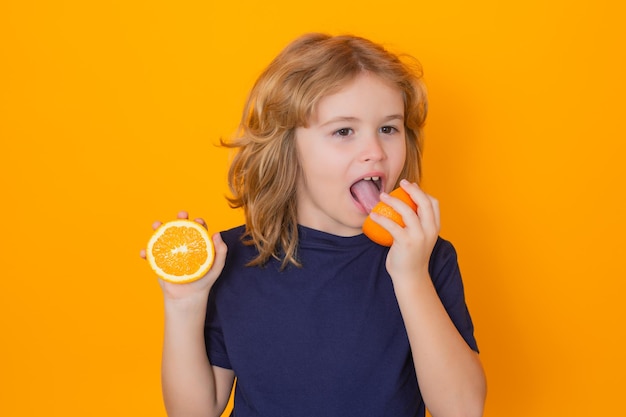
(366, 193)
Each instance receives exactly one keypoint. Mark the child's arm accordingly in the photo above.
(450, 374)
(191, 385)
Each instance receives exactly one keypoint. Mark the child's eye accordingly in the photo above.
(344, 131)
(388, 130)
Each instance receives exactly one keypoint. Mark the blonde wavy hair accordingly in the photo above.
(265, 168)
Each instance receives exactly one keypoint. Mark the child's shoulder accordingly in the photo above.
(443, 247)
(234, 237)
(233, 234)
(443, 257)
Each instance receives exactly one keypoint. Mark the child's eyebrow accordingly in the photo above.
(395, 117)
(353, 119)
(340, 119)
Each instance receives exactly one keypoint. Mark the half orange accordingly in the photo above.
(376, 232)
(180, 251)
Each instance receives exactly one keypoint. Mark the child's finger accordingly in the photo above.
(436, 212)
(201, 221)
(220, 254)
(399, 206)
(425, 203)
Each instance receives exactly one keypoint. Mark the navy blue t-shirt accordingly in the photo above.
(326, 339)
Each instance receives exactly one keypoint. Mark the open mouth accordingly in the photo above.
(366, 192)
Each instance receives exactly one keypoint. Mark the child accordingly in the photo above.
(310, 316)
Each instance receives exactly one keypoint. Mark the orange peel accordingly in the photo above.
(375, 231)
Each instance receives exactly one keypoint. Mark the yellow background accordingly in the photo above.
(109, 116)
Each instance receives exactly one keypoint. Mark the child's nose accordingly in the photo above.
(372, 149)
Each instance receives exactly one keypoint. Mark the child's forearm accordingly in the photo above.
(190, 386)
(449, 372)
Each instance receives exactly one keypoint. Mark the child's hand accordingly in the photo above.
(201, 287)
(412, 245)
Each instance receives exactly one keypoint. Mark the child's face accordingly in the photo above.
(355, 133)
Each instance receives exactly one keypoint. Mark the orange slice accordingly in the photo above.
(180, 251)
(376, 232)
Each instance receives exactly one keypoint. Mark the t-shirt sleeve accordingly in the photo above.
(214, 336)
(446, 277)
